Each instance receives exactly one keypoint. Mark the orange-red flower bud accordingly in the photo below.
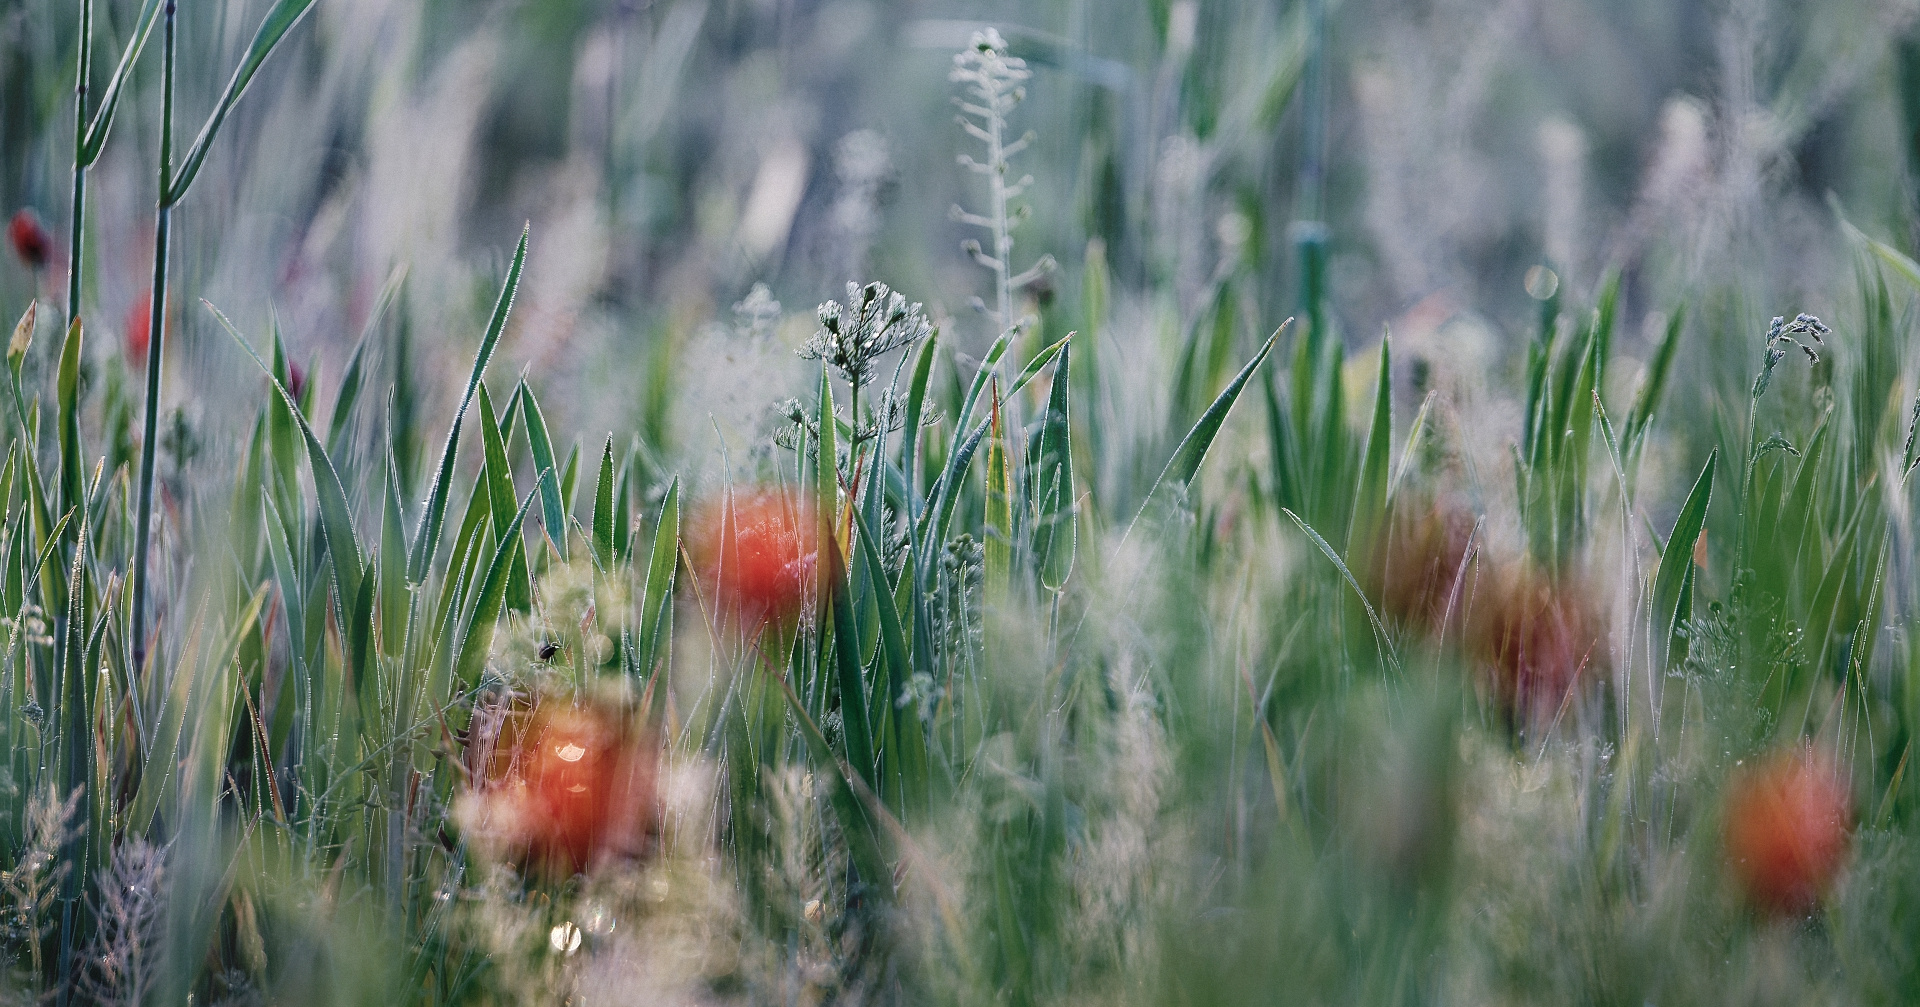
(1786, 830)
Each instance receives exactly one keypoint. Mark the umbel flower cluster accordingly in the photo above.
(874, 321)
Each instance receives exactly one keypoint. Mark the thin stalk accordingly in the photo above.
(77, 229)
(157, 336)
(1002, 233)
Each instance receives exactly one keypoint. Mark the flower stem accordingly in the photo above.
(157, 336)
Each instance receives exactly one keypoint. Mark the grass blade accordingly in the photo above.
(336, 520)
(1373, 619)
(656, 606)
(498, 476)
(102, 122)
(553, 511)
(1670, 608)
(426, 540)
(281, 19)
(1186, 459)
(477, 638)
(603, 517)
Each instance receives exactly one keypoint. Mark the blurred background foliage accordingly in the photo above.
(1229, 734)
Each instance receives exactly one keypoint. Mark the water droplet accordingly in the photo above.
(570, 752)
(599, 920)
(1542, 283)
(565, 938)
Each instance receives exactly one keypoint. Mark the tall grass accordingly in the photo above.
(1014, 661)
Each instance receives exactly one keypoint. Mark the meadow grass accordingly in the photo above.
(975, 678)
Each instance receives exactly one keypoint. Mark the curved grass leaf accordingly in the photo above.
(1373, 618)
(477, 637)
(1671, 599)
(426, 540)
(656, 606)
(281, 19)
(498, 476)
(72, 491)
(1055, 535)
(553, 512)
(354, 377)
(336, 520)
(603, 516)
(910, 430)
(1370, 495)
(1186, 459)
(1646, 403)
(96, 134)
(906, 746)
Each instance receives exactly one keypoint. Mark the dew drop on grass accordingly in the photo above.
(599, 920)
(1542, 283)
(565, 938)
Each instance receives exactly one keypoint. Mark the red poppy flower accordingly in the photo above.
(137, 323)
(1425, 558)
(1786, 830)
(1537, 638)
(30, 239)
(561, 785)
(758, 554)
(1533, 634)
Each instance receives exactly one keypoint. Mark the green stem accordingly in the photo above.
(156, 339)
(76, 233)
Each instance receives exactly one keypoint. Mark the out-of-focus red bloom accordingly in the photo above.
(1425, 559)
(1537, 638)
(759, 555)
(138, 322)
(561, 785)
(1533, 634)
(1786, 830)
(30, 239)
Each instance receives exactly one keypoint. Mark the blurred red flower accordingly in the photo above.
(1786, 830)
(30, 239)
(561, 784)
(138, 321)
(758, 554)
(1537, 637)
(1533, 634)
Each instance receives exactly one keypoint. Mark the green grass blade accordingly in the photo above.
(353, 379)
(910, 430)
(336, 520)
(498, 476)
(1676, 565)
(72, 462)
(603, 516)
(553, 511)
(477, 637)
(856, 723)
(1055, 535)
(1380, 638)
(906, 746)
(863, 841)
(1370, 495)
(426, 540)
(1646, 402)
(1185, 463)
(102, 121)
(656, 604)
(281, 19)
